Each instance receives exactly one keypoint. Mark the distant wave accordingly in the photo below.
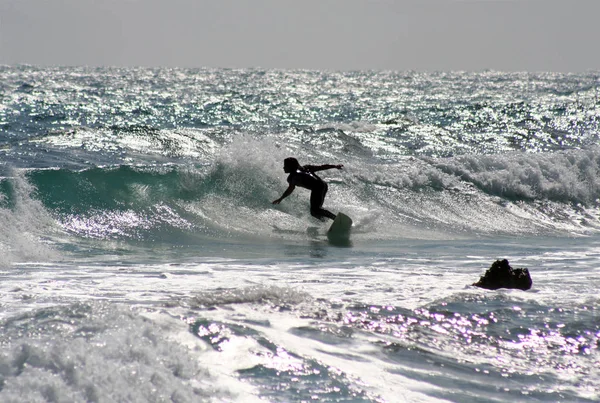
(571, 176)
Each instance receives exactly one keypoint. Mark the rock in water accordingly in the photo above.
(501, 275)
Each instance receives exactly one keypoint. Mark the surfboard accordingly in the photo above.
(340, 228)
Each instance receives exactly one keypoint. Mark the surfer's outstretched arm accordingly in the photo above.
(315, 168)
(285, 194)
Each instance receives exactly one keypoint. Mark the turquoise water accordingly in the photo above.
(142, 260)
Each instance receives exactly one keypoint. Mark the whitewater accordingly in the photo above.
(141, 258)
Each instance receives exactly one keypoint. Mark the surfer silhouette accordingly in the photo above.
(305, 176)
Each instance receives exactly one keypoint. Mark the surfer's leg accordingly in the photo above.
(316, 201)
(317, 197)
(328, 214)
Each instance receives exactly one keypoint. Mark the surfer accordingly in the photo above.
(305, 176)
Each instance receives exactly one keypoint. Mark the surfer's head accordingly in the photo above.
(290, 165)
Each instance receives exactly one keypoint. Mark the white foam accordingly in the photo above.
(567, 176)
(103, 352)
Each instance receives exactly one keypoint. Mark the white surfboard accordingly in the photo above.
(340, 228)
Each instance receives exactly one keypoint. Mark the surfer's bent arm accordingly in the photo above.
(285, 194)
(315, 168)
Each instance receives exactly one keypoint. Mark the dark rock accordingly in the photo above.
(501, 275)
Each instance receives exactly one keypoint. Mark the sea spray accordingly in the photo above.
(25, 224)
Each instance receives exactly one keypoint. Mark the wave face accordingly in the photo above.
(537, 194)
(174, 155)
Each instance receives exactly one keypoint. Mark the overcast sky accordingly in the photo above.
(428, 35)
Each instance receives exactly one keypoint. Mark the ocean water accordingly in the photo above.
(141, 259)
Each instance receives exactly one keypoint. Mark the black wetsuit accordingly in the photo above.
(306, 178)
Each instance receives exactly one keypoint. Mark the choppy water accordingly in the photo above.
(142, 260)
